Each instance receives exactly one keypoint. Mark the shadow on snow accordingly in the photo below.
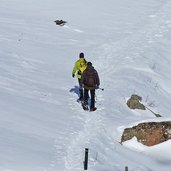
(75, 90)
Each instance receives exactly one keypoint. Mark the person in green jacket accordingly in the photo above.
(79, 67)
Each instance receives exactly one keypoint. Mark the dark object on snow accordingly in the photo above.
(60, 22)
(134, 102)
(149, 133)
(86, 159)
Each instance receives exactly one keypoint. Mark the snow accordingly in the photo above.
(42, 127)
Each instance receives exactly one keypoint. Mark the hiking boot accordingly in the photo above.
(93, 109)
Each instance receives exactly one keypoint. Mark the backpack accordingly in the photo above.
(82, 65)
(90, 78)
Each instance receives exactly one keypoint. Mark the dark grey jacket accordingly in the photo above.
(90, 69)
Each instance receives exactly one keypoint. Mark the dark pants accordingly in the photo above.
(80, 90)
(92, 93)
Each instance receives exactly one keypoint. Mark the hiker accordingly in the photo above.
(79, 67)
(90, 81)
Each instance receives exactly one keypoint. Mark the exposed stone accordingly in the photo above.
(60, 22)
(150, 133)
(134, 102)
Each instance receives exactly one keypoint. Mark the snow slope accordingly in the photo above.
(42, 127)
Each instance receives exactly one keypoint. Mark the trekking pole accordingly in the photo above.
(101, 89)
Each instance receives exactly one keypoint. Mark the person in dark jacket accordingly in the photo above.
(90, 81)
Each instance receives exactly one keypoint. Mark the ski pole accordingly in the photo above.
(101, 89)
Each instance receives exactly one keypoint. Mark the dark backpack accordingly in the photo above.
(90, 79)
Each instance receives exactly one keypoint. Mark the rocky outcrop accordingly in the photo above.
(60, 22)
(134, 102)
(150, 133)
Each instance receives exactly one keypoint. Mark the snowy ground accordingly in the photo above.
(42, 127)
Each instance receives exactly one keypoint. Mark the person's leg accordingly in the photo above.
(92, 92)
(85, 96)
(80, 90)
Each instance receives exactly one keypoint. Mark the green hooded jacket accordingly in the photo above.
(80, 66)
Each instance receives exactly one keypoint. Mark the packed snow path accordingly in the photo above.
(93, 126)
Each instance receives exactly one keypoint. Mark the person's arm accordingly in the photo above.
(74, 69)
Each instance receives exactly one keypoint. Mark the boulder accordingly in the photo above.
(134, 102)
(150, 133)
(60, 22)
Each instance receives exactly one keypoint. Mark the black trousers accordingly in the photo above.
(80, 89)
(79, 82)
(92, 96)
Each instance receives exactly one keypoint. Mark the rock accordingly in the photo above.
(134, 102)
(150, 133)
(60, 22)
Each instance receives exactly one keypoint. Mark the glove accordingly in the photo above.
(97, 87)
(73, 75)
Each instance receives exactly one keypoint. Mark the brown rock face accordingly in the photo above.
(150, 133)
